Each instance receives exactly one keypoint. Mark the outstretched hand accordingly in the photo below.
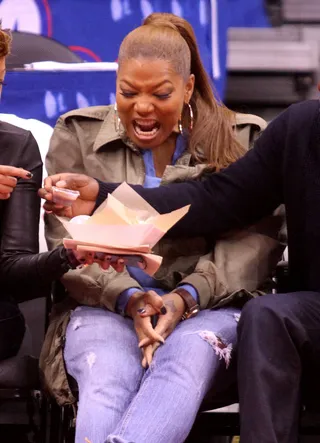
(87, 187)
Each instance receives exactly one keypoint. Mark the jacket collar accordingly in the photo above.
(108, 134)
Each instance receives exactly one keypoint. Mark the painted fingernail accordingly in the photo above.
(163, 310)
(29, 175)
(141, 311)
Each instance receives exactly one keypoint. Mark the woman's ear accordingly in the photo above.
(189, 88)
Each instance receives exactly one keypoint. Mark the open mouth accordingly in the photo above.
(146, 128)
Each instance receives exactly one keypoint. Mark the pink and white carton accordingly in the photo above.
(124, 224)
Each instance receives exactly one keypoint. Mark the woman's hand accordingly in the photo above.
(103, 260)
(88, 257)
(175, 307)
(153, 305)
(85, 203)
(8, 179)
(143, 325)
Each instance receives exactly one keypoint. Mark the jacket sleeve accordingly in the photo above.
(23, 272)
(88, 285)
(243, 260)
(239, 196)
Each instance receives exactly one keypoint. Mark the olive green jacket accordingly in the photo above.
(86, 141)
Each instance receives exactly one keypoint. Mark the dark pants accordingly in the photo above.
(278, 365)
(12, 329)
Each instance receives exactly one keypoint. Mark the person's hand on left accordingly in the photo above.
(9, 178)
(103, 260)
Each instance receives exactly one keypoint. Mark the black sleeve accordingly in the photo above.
(236, 197)
(23, 272)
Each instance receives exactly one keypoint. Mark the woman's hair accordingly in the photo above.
(171, 38)
(5, 41)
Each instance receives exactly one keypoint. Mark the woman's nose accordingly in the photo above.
(143, 107)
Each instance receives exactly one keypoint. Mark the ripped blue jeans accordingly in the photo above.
(119, 401)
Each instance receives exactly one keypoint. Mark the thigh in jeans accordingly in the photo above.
(206, 344)
(182, 372)
(102, 354)
(12, 329)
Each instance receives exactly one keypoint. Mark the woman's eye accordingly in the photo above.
(162, 96)
(128, 94)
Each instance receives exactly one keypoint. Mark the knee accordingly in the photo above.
(262, 312)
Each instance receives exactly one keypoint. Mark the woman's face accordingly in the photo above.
(150, 98)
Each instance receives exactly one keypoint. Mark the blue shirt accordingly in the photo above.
(147, 282)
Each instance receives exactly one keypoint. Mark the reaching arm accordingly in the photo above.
(237, 197)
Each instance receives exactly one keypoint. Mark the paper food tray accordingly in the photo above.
(152, 261)
(124, 224)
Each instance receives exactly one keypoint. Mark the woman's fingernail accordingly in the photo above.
(29, 175)
(61, 184)
(141, 310)
(163, 310)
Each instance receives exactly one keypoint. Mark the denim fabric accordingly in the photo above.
(121, 402)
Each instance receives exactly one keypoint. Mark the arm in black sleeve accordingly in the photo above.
(24, 272)
(236, 197)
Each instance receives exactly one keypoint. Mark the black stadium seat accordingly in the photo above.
(29, 48)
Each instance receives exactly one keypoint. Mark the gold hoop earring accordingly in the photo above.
(191, 120)
(117, 120)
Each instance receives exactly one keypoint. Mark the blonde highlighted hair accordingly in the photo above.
(5, 41)
(171, 38)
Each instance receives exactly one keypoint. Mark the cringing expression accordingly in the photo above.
(150, 97)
